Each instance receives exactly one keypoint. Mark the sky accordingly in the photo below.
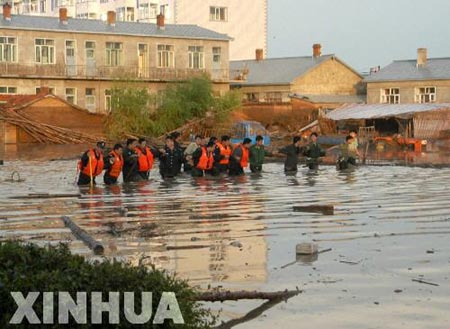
(362, 33)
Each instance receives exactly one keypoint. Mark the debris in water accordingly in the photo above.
(322, 209)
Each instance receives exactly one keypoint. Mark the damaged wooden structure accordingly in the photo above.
(47, 119)
(422, 121)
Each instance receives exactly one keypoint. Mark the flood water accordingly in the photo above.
(391, 224)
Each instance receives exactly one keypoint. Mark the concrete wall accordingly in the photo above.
(407, 90)
(329, 78)
(246, 22)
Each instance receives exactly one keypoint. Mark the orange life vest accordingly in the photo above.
(145, 161)
(206, 160)
(116, 167)
(224, 151)
(245, 156)
(94, 165)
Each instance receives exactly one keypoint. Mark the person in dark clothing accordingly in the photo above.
(257, 154)
(292, 152)
(203, 160)
(239, 158)
(313, 152)
(170, 160)
(130, 171)
(113, 165)
(222, 154)
(176, 137)
(91, 164)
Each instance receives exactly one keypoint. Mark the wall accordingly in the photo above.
(407, 90)
(329, 78)
(246, 24)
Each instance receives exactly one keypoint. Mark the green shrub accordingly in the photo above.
(27, 268)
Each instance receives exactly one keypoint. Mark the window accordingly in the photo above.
(147, 11)
(166, 56)
(70, 48)
(390, 96)
(44, 51)
(51, 90)
(90, 98)
(217, 51)
(113, 53)
(273, 97)
(125, 14)
(8, 49)
(253, 97)
(8, 90)
(90, 49)
(426, 95)
(71, 95)
(218, 14)
(108, 100)
(196, 57)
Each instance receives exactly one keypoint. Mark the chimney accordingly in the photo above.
(111, 18)
(317, 50)
(63, 15)
(259, 54)
(421, 57)
(160, 21)
(7, 11)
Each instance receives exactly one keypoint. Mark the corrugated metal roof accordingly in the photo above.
(40, 23)
(377, 111)
(435, 69)
(276, 71)
(331, 98)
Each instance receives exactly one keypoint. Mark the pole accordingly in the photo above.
(90, 170)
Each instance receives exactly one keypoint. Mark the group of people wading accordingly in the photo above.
(202, 157)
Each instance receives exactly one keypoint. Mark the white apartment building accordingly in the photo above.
(243, 20)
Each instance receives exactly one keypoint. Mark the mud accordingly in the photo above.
(391, 225)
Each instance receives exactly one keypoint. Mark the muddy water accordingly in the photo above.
(391, 225)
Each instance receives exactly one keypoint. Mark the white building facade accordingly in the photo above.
(243, 20)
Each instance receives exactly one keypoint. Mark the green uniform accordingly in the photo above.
(313, 151)
(257, 154)
(348, 156)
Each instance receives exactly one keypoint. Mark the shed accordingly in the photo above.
(411, 120)
(45, 110)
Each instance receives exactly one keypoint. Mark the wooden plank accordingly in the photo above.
(321, 209)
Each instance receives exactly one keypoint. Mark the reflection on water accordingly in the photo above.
(239, 232)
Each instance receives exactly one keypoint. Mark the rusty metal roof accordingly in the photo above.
(378, 111)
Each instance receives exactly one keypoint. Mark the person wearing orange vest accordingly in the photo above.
(145, 159)
(203, 160)
(91, 164)
(113, 165)
(240, 157)
(222, 154)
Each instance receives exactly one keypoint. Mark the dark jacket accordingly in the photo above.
(130, 165)
(292, 152)
(313, 150)
(170, 162)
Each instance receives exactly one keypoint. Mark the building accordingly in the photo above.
(81, 60)
(422, 80)
(316, 78)
(244, 21)
(44, 110)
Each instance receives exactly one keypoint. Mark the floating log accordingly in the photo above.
(425, 282)
(82, 235)
(45, 196)
(220, 296)
(321, 209)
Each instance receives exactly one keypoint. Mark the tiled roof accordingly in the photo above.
(377, 111)
(41, 23)
(407, 70)
(273, 71)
